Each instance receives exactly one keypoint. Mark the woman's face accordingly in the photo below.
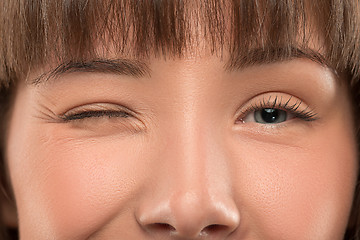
(183, 149)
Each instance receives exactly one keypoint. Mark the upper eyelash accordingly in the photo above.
(306, 114)
(93, 114)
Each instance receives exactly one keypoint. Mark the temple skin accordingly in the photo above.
(187, 161)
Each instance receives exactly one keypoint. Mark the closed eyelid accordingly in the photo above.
(101, 119)
(94, 114)
(95, 110)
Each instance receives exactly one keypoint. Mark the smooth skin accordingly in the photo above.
(187, 159)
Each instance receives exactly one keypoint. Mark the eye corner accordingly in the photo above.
(239, 120)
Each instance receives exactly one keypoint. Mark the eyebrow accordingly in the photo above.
(126, 67)
(263, 56)
(138, 69)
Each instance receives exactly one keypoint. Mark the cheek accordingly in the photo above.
(76, 184)
(299, 192)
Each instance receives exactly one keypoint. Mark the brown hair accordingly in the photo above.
(32, 32)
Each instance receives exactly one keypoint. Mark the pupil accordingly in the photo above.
(269, 115)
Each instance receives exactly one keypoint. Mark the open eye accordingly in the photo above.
(268, 116)
(276, 110)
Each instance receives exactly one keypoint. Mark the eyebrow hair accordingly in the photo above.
(268, 55)
(127, 67)
(138, 69)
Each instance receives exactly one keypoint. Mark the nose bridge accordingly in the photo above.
(201, 176)
(192, 135)
(189, 188)
(193, 149)
(192, 152)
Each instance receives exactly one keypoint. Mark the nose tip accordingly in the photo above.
(191, 217)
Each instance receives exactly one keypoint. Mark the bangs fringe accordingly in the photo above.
(34, 31)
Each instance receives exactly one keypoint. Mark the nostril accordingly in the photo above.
(160, 227)
(214, 229)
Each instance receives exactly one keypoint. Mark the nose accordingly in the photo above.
(190, 198)
(190, 216)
